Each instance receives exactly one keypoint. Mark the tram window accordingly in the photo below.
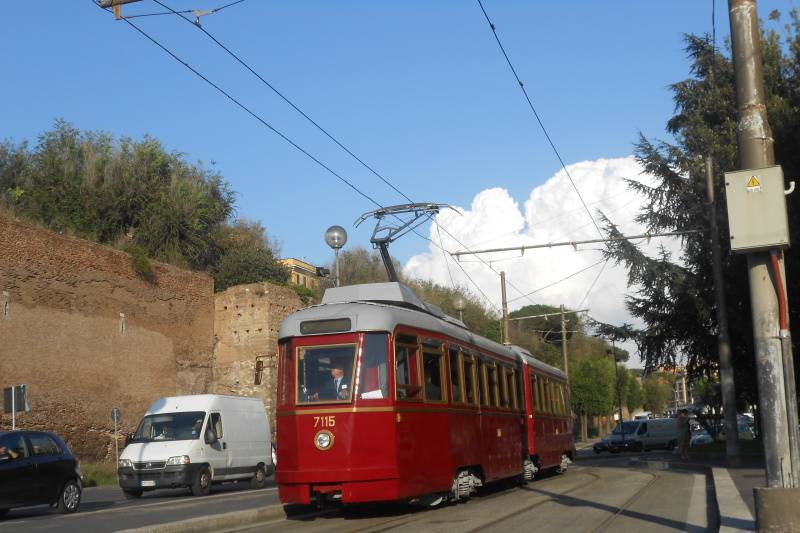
(286, 373)
(484, 388)
(504, 399)
(549, 395)
(535, 395)
(405, 373)
(325, 373)
(455, 377)
(543, 399)
(470, 387)
(432, 369)
(494, 388)
(374, 379)
(512, 381)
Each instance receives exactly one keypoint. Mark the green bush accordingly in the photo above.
(97, 474)
(140, 262)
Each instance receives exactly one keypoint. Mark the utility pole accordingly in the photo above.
(506, 340)
(723, 338)
(564, 341)
(756, 151)
(619, 390)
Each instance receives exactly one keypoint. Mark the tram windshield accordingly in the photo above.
(325, 373)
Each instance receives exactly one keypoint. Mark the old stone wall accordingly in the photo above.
(87, 334)
(246, 325)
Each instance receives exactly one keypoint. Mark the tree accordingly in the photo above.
(137, 196)
(657, 392)
(634, 395)
(674, 295)
(248, 265)
(592, 384)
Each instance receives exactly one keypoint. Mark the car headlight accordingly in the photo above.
(125, 463)
(323, 440)
(178, 460)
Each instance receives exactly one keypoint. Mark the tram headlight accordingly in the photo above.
(323, 440)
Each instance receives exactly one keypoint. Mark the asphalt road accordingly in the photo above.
(630, 492)
(105, 509)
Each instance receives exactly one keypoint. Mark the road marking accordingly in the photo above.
(122, 506)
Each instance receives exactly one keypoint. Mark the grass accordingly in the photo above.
(98, 474)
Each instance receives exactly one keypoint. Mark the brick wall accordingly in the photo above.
(86, 334)
(247, 319)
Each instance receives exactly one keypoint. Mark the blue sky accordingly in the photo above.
(417, 89)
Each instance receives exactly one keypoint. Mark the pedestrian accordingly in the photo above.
(684, 433)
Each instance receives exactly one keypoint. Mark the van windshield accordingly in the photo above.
(629, 427)
(170, 426)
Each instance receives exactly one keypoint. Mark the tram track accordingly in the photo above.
(603, 526)
(532, 506)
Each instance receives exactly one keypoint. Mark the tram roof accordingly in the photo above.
(384, 306)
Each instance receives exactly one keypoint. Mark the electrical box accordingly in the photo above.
(756, 209)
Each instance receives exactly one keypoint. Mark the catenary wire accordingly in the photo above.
(336, 141)
(559, 281)
(536, 114)
(172, 12)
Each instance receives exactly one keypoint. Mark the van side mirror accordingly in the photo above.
(259, 371)
(211, 436)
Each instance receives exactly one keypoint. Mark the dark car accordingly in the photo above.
(36, 467)
(601, 446)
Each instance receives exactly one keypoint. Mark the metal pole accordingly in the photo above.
(336, 264)
(116, 445)
(13, 407)
(619, 392)
(723, 338)
(505, 308)
(564, 341)
(756, 151)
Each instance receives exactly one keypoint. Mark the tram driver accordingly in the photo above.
(335, 388)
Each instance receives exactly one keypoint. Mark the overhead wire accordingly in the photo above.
(559, 280)
(538, 118)
(172, 12)
(335, 140)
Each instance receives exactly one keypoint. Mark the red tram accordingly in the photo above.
(383, 397)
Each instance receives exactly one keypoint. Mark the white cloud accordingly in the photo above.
(552, 213)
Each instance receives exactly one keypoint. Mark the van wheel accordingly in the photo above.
(638, 447)
(132, 494)
(3, 512)
(70, 497)
(260, 479)
(202, 482)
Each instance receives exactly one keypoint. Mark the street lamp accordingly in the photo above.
(460, 304)
(336, 237)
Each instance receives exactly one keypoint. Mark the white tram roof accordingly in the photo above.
(384, 306)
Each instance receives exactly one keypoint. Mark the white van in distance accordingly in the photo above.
(194, 441)
(644, 435)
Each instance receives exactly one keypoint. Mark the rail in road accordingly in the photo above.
(611, 494)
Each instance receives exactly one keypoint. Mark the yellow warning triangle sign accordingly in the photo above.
(753, 182)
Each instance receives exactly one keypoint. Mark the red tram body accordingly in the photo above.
(383, 397)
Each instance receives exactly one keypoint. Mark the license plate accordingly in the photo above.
(148, 483)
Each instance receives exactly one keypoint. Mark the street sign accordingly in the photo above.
(116, 414)
(15, 399)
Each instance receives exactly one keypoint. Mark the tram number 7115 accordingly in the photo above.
(324, 421)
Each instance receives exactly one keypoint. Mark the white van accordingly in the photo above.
(193, 441)
(644, 435)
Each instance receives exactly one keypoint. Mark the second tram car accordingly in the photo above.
(383, 397)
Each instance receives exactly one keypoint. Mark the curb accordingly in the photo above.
(734, 515)
(217, 522)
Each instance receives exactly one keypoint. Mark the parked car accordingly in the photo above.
(601, 445)
(700, 437)
(36, 467)
(194, 441)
